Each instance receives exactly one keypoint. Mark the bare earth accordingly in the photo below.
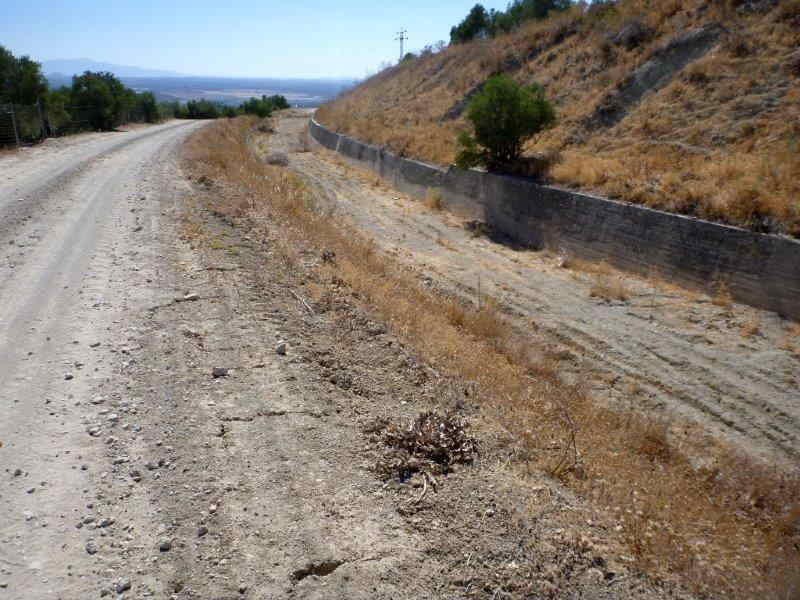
(663, 351)
(127, 468)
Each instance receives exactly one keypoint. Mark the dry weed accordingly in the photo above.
(722, 296)
(609, 288)
(751, 327)
(431, 442)
(433, 199)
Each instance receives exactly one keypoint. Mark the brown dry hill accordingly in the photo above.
(690, 106)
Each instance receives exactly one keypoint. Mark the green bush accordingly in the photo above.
(504, 116)
(264, 106)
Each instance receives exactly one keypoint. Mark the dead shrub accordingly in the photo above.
(722, 295)
(277, 159)
(432, 442)
(751, 327)
(609, 288)
(433, 199)
(266, 126)
(652, 443)
(697, 73)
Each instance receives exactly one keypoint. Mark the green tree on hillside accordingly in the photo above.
(504, 115)
(475, 25)
(481, 24)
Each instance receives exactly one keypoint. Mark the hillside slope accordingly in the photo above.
(687, 106)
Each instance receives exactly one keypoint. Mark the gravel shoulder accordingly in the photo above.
(733, 371)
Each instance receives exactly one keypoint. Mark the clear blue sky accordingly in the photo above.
(304, 38)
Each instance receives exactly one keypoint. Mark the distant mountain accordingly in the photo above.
(75, 66)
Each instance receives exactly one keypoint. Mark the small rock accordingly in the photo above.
(68, 376)
(94, 345)
(189, 298)
(107, 522)
(281, 348)
(94, 431)
(30, 490)
(593, 576)
(218, 372)
(123, 585)
(165, 545)
(136, 475)
(242, 589)
(28, 515)
(212, 509)
(91, 547)
(202, 530)
(17, 472)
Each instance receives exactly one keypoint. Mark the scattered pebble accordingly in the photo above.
(68, 376)
(123, 585)
(202, 530)
(165, 545)
(91, 547)
(217, 372)
(281, 348)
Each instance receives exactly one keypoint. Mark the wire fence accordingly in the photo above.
(25, 124)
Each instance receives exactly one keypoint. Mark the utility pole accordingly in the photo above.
(401, 35)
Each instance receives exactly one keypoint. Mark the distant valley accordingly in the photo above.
(169, 87)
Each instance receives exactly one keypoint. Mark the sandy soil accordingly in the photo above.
(128, 469)
(734, 371)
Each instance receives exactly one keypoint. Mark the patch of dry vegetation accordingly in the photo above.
(721, 141)
(722, 528)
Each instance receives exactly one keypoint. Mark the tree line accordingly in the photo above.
(481, 24)
(100, 101)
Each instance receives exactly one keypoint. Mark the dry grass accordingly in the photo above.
(751, 327)
(433, 199)
(722, 296)
(722, 529)
(719, 142)
(609, 288)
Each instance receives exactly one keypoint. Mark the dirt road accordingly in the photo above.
(734, 370)
(119, 457)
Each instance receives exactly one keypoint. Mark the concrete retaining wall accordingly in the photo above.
(760, 270)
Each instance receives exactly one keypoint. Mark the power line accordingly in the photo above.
(402, 37)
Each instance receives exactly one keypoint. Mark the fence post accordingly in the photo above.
(14, 124)
(42, 128)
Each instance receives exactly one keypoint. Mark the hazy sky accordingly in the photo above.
(304, 38)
